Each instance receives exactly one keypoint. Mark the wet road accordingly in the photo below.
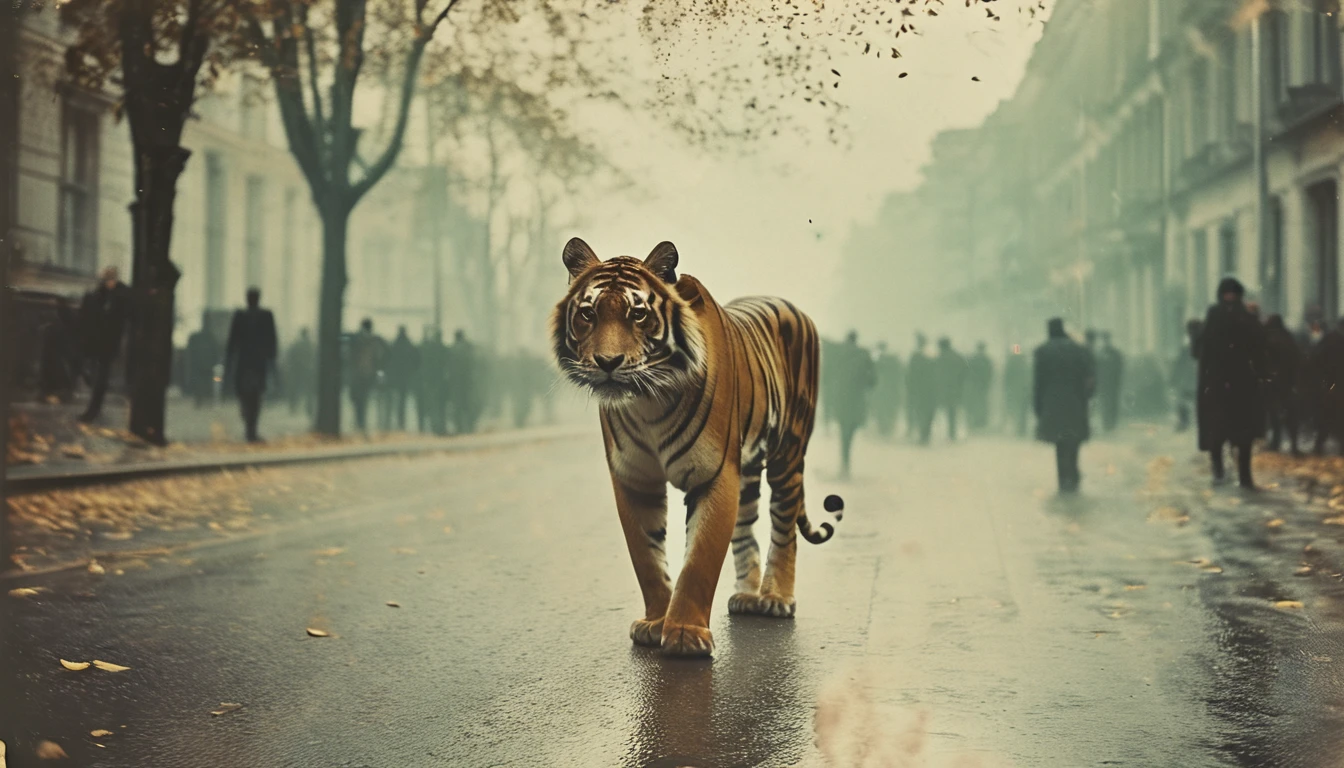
(962, 616)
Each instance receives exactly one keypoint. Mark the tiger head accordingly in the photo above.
(623, 330)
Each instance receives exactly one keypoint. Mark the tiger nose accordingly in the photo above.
(609, 364)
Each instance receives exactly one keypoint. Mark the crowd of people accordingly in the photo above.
(429, 386)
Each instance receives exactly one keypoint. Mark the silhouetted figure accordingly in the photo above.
(827, 395)
(59, 357)
(1231, 367)
(1064, 378)
(1110, 374)
(1309, 379)
(301, 374)
(464, 384)
(249, 355)
(979, 379)
(1185, 375)
(921, 390)
(1328, 364)
(1284, 359)
(854, 378)
(525, 378)
(202, 355)
(950, 378)
(102, 319)
(367, 353)
(403, 360)
(431, 400)
(1016, 390)
(888, 391)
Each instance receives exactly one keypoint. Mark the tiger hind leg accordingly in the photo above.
(746, 552)
(775, 597)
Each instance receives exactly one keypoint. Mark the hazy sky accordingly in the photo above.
(742, 224)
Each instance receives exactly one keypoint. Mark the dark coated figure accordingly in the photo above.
(1016, 390)
(368, 353)
(979, 379)
(1232, 366)
(855, 376)
(301, 374)
(59, 354)
(202, 355)
(1110, 375)
(950, 378)
(403, 360)
(888, 392)
(102, 318)
(249, 356)
(1184, 377)
(1282, 398)
(431, 399)
(1064, 379)
(465, 384)
(921, 390)
(1327, 363)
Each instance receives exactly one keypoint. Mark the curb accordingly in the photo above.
(19, 481)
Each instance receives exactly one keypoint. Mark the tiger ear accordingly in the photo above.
(578, 257)
(662, 261)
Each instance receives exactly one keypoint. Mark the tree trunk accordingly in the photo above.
(335, 224)
(154, 280)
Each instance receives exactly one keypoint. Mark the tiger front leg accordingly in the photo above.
(711, 515)
(644, 520)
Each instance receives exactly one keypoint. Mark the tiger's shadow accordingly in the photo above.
(746, 707)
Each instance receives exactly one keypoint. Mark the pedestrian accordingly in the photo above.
(1016, 390)
(430, 401)
(464, 379)
(830, 357)
(249, 355)
(888, 391)
(1282, 399)
(59, 357)
(1309, 379)
(1184, 378)
(524, 376)
(202, 355)
(1063, 380)
(102, 318)
(921, 391)
(300, 374)
(403, 360)
(950, 378)
(1328, 364)
(979, 379)
(367, 352)
(1230, 407)
(854, 378)
(1110, 373)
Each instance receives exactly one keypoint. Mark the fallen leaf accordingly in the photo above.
(26, 591)
(1303, 571)
(95, 568)
(225, 707)
(447, 529)
(118, 536)
(312, 632)
(50, 750)
(1135, 587)
(100, 733)
(1288, 604)
(1275, 523)
(214, 526)
(329, 551)
(108, 666)
(75, 666)
(403, 551)
(393, 604)
(1334, 520)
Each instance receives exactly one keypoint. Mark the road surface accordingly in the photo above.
(962, 616)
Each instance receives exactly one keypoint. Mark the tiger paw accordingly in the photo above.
(777, 606)
(647, 632)
(686, 640)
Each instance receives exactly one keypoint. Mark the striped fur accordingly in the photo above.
(709, 398)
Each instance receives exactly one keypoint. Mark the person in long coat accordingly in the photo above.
(887, 394)
(1282, 395)
(854, 378)
(1016, 391)
(979, 379)
(249, 356)
(103, 316)
(1328, 364)
(1064, 378)
(1110, 373)
(1232, 371)
(950, 374)
(921, 391)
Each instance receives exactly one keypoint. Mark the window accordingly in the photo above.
(1271, 269)
(78, 226)
(216, 208)
(1323, 286)
(1227, 247)
(256, 229)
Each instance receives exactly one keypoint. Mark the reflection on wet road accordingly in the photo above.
(963, 616)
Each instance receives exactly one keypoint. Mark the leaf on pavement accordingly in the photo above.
(225, 707)
(1303, 571)
(314, 632)
(108, 666)
(1275, 523)
(50, 750)
(1135, 587)
(75, 666)
(27, 591)
(1334, 520)
(96, 568)
(448, 529)
(403, 551)
(393, 604)
(329, 551)
(100, 733)
(1288, 604)
(118, 536)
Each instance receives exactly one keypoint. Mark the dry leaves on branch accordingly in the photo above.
(50, 750)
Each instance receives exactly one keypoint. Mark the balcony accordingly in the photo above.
(1303, 105)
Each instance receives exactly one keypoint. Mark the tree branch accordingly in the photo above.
(380, 167)
(319, 119)
(289, 97)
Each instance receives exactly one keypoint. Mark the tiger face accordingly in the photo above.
(623, 331)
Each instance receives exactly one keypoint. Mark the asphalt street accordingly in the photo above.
(477, 608)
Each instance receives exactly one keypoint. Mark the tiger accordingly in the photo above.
(707, 398)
